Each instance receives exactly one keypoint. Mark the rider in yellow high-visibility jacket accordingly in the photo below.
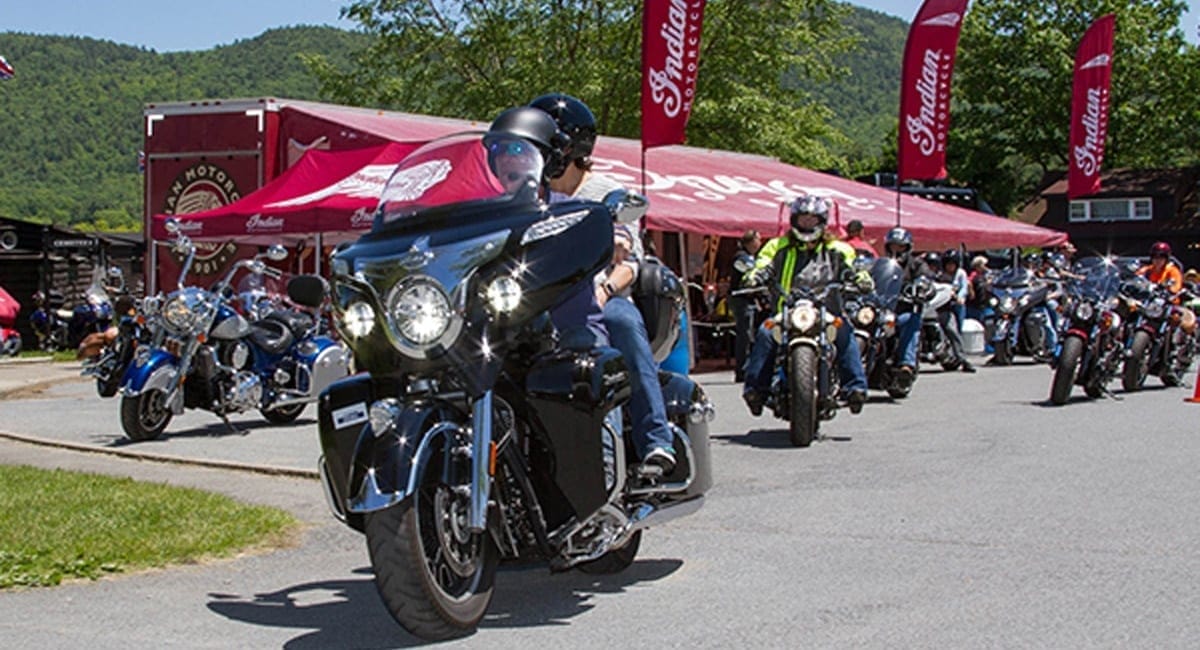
(807, 254)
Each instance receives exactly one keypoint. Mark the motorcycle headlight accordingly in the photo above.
(803, 316)
(358, 320)
(151, 305)
(1008, 305)
(1155, 308)
(420, 312)
(865, 315)
(504, 294)
(183, 313)
(1085, 311)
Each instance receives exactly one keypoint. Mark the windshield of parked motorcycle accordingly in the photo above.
(889, 279)
(461, 168)
(1100, 278)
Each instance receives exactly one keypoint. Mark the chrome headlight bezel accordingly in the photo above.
(1155, 308)
(865, 316)
(184, 311)
(1085, 312)
(1008, 305)
(803, 316)
(420, 316)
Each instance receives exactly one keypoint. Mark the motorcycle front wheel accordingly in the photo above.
(802, 383)
(1137, 364)
(434, 576)
(1068, 366)
(145, 416)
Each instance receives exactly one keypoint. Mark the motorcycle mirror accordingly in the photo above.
(626, 206)
(276, 253)
(172, 226)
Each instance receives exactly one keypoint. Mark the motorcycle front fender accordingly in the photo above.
(1002, 329)
(159, 371)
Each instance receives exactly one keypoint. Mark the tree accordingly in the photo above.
(1012, 91)
(473, 59)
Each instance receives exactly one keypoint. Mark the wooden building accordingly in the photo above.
(1134, 209)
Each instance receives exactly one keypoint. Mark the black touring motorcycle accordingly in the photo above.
(477, 433)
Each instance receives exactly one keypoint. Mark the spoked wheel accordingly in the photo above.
(144, 416)
(1137, 365)
(802, 379)
(616, 560)
(283, 414)
(1068, 367)
(433, 574)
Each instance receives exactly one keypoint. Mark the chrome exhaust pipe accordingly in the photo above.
(648, 515)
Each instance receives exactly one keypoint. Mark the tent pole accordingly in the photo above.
(317, 259)
(687, 303)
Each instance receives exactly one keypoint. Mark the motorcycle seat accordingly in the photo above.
(297, 321)
(271, 335)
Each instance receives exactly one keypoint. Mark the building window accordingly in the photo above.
(1110, 210)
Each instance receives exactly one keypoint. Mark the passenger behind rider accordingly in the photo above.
(784, 258)
(898, 245)
(574, 179)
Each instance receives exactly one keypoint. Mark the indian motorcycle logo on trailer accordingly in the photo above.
(201, 187)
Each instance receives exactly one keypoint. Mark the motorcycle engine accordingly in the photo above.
(244, 394)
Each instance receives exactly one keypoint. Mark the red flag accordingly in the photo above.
(1089, 107)
(925, 89)
(670, 58)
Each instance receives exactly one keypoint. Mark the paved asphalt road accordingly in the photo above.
(970, 516)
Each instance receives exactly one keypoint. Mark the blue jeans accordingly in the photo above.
(1050, 328)
(627, 333)
(760, 364)
(908, 329)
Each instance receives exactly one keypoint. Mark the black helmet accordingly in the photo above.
(809, 214)
(531, 125)
(575, 120)
(1031, 259)
(952, 256)
(933, 259)
(898, 237)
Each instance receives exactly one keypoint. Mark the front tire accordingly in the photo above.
(616, 560)
(145, 416)
(802, 383)
(1137, 365)
(283, 414)
(1068, 366)
(434, 578)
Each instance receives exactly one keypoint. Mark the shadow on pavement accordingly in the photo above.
(763, 439)
(217, 429)
(349, 613)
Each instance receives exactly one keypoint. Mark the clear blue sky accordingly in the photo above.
(170, 25)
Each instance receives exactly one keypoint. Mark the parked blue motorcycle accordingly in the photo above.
(1022, 316)
(207, 356)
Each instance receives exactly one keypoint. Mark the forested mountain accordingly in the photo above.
(72, 117)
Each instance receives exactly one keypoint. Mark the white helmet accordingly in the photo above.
(809, 214)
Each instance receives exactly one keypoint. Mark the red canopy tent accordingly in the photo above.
(691, 190)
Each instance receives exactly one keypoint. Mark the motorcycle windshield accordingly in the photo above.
(1013, 278)
(1100, 278)
(461, 168)
(889, 279)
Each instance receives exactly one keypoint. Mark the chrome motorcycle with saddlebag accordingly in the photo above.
(207, 356)
(1092, 344)
(1022, 317)
(477, 433)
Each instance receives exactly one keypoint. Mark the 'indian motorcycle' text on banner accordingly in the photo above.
(925, 89)
(1089, 107)
(670, 61)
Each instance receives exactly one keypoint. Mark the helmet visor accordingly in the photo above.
(807, 222)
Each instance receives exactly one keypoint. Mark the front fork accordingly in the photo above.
(481, 461)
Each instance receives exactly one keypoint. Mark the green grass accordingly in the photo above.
(62, 355)
(57, 525)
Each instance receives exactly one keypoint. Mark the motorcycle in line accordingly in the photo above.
(873, 314)
(934, 345)
(1021, 316)
(207, 356)
(1155, 341)
(1093, 346)
(477, 431)
(113, 351)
